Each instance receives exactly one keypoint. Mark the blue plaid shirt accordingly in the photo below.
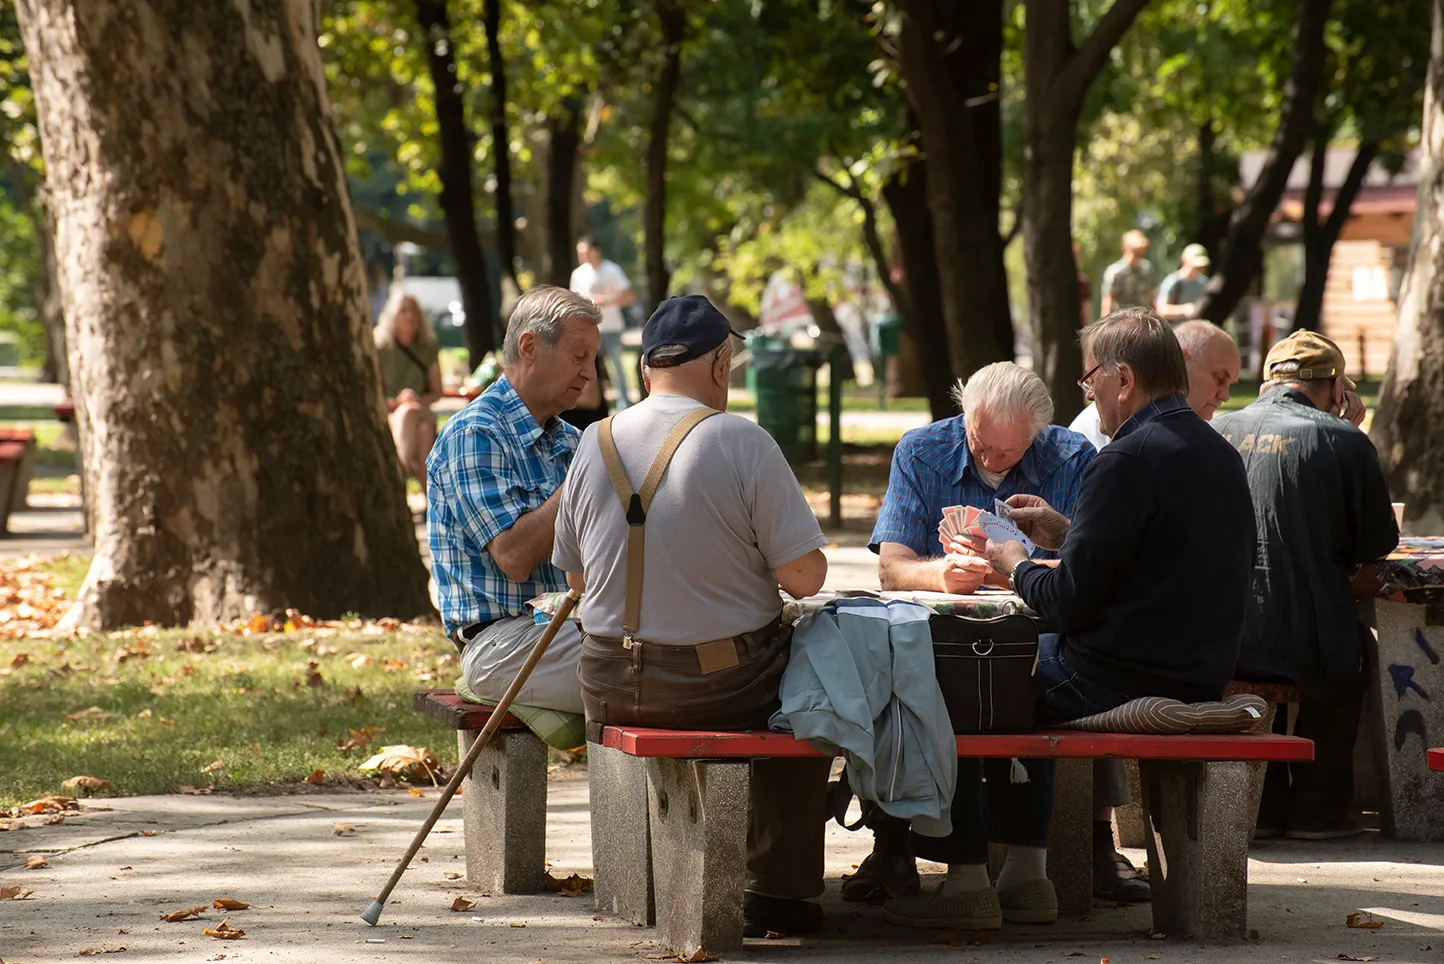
(932, 468)
(491, 465)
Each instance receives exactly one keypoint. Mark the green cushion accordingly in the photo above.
(558, 729)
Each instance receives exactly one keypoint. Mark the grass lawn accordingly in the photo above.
(154, 711)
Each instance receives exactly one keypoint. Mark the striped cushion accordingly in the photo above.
(1158, 714)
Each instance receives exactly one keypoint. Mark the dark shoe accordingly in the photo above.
(1115, 878)
(883, 875)
(976, 910)
(762, 915)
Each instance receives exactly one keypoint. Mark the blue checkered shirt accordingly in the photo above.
(491, 465)
(932, 468)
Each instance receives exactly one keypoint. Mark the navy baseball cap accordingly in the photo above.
(690, 324)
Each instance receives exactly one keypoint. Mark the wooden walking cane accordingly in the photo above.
(372, 914)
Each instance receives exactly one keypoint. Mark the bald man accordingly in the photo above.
(1213, 366)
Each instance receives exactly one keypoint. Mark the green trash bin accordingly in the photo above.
(783, 379)
(887, 336)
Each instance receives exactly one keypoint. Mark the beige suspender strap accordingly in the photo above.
(635, 504)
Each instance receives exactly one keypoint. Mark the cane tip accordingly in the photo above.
(372, 914)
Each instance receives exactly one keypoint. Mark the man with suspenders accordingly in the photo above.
(681, 522)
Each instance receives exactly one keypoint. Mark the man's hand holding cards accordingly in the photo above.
(965, 566)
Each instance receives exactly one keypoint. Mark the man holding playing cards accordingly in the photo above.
(1002, 445)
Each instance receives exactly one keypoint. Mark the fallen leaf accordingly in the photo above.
(167, 722)
(358, 660)
(413, 791)
(93, 713)
(402, 761)
(106, 949)
(52, 821)
(700, 955)
(1363, 920)
(87, 783)
(213, 766)
(461, 904)
(144, 714)
(393, 665)
(188, 670)
(20, 660)
(1102, 960)
(573, 886)
(36, 862)
(259, 624)
(49, 805)
(342, 829)
(452, 875)
(185, 913)
(1151, 957)
(317, 777)
(187, 790)
(229, 903)
(515, 924)
(14, 892)
(224, 931)
(1350, 957)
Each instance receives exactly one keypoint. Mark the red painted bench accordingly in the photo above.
(503, 801)
(1200, 797)
(16, 465)
(1436, 759)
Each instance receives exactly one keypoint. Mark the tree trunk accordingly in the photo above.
(1408, 427)
(564, 144)
(1320, 236)
(500, 141)
(673, 19)
(457, 199)
(1243, 251)
(906, 194)
(940, 59)
(56, 369)
(1056, 78)
(233, 434)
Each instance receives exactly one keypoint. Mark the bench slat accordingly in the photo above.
(647, 742)
(446, 706)
(1436, 759)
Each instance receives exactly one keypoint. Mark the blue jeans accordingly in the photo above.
(612, 353)
(1007, 812)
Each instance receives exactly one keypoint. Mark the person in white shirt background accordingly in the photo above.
(608, 287)
(1213, 367)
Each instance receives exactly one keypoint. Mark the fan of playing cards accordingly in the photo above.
(959, 520)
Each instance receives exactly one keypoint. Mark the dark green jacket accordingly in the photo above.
(1321, 508)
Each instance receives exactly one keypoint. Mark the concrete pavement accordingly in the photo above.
(115, 869)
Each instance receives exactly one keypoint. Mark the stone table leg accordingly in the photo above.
(1198, 847)
(1407, 710)
(1070, 851)
(1128, 819)
(698, 811)
(504, 814)
(621, 840)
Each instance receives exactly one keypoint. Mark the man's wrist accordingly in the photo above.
(1013, 572)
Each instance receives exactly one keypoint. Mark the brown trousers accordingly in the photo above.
(653, 684)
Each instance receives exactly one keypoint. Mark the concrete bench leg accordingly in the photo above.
(621, 839)
(1128, 820)
(1198, 847)
(698, 811)
(1070, 852)
(503, 813)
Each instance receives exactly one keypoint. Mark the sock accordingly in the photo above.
(965, 878)
(1023, 864)
(1102, 839)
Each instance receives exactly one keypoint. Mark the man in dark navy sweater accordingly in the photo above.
(1150, 593)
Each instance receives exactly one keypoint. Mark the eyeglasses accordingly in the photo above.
(1086, 382)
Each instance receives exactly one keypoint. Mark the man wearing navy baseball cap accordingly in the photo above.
(681, 624)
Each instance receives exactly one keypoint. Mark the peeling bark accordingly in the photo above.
(232, 427)
(1408, 427)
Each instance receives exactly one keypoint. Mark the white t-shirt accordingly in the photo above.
(605, 280)
(727, 513)
(1086, 425)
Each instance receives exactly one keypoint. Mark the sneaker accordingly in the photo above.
(973, 910)
(883, 875)
(1349, 828)
(1031, 902)
(762, 915)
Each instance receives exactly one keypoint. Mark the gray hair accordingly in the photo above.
(1006, 390)
(1138, 338)
(1194, 337)
(385, 333)
(542, 311)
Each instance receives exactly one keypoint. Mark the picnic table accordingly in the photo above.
(1402, 598)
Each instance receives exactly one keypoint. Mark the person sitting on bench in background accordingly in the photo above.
(1001, 445)
(495, 476)
(1323, 509)
(688, 634)
(1152, 582)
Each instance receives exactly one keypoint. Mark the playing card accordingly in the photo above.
(1003, 530)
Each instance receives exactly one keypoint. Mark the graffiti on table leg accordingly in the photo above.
(1403, 677)
(1424, 645)
(1410, 721)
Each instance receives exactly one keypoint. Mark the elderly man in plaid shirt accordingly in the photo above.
(1001, 446)
(494, 481)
